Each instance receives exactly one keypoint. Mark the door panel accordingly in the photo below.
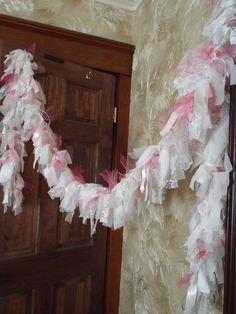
(82, 104)
(73, 297)
(59, 263)
(17, 304)
(18, 233)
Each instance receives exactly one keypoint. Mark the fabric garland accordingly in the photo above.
(195, 136)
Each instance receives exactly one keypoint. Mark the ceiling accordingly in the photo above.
(130, 5)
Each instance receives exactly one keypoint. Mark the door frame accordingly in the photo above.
(230, 255)
(101, 54)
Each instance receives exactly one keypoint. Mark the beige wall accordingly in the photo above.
(162, 30)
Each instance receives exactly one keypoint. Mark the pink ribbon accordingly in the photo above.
(31, 49)
(58, 165)
(60, 160)
(201, 254)
(77, 172)
(111, 177)
(128, 166)
(8, 78)
(29, 133)
(203, 54)
(41, 131)
(184, 111)
(151, 164)
(186, 279)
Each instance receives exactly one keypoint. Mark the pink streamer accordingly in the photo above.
(32, 48)
(186, 279)
(184, 111)
(111, 177)
(151, 164)
(128, 166)
(201, 254)
(58, 165)
(78, 173)
(8, 78)
(204, 54)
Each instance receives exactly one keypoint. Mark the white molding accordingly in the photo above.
(130, 5)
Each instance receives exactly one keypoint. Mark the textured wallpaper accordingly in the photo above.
(87, 16)
(162, 31)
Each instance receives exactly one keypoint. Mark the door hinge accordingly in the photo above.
(115, 115)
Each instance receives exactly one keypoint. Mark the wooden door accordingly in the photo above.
(47, 265)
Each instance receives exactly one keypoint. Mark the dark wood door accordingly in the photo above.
(47, 265)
